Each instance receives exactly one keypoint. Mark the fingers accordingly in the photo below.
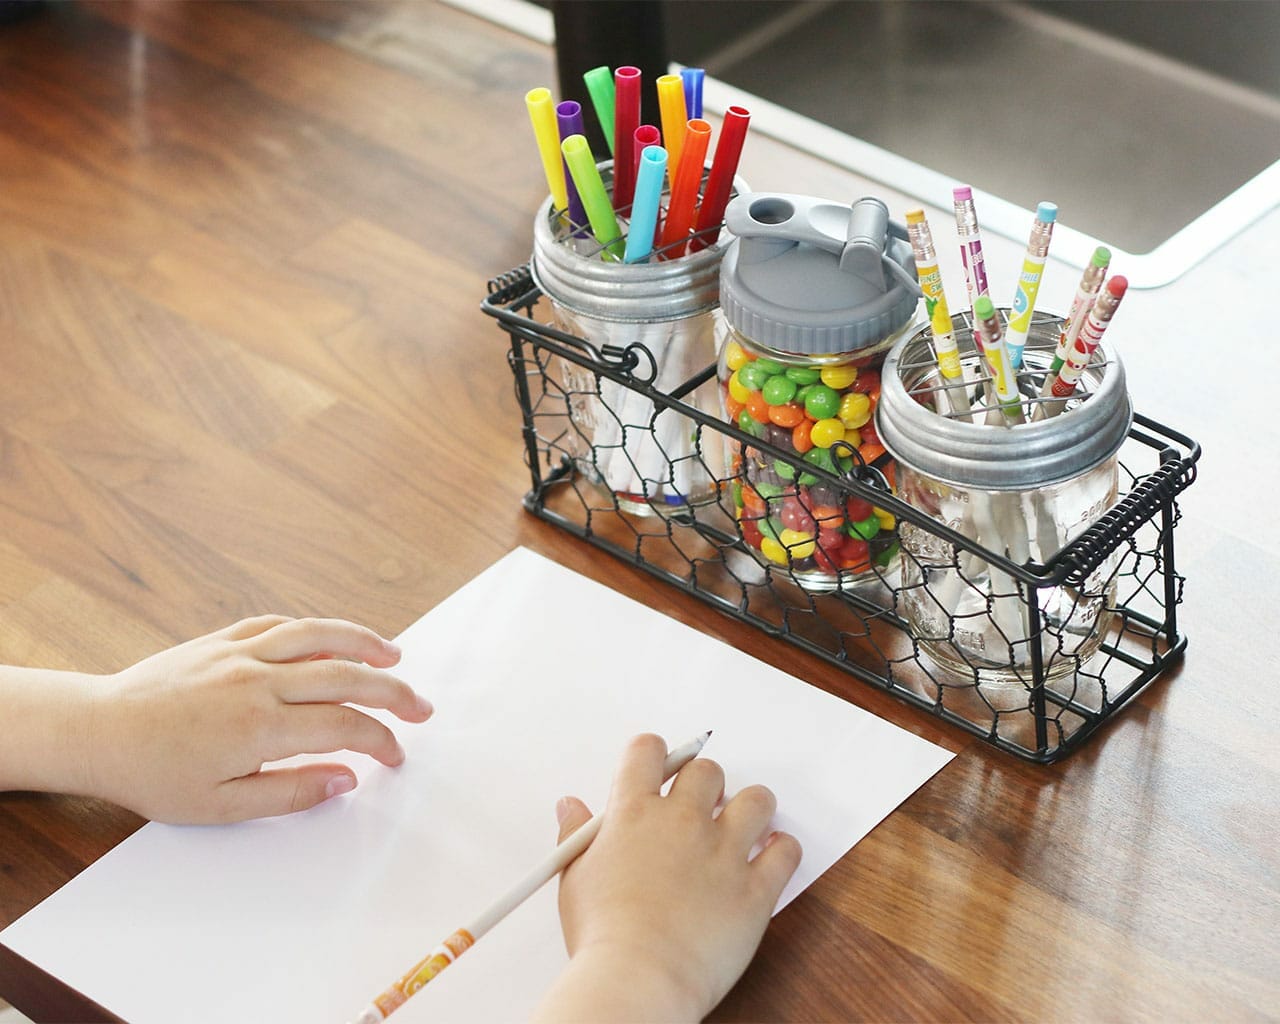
(281, 791)
(776, 864)
(572, 814)
(745, 819)
(324, 728)
(640, 771)
(301, 639)
(342, 682)
(700, 783)
(251, 627)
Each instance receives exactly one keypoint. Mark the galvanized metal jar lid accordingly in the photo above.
(656, 291)
(1000, 458)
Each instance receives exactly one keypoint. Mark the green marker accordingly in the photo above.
(595, 200)
(600, 86)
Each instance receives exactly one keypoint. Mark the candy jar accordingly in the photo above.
(813, 294)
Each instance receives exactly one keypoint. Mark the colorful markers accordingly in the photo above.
(542, 114)
(724, 166)
(671, 108)
(644, 209)
(582, 166)
(1024, 298)
(684, 189)
(599, 82)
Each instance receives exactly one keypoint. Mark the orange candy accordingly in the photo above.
(827, 516)
(789, 415)
(732, 407)
(758, 407)
(800, 438)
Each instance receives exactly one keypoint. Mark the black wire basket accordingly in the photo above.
(856, 624)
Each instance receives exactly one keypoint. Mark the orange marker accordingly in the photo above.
(684, 189)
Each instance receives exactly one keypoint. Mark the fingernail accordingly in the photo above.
(425, 707)
(391, 648)
(563, 807)
(338, 785)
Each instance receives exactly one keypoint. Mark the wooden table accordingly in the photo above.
(242, 368)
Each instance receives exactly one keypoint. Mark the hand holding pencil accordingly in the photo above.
(665, 910)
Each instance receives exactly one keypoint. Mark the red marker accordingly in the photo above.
(626, 119)
(720, 181)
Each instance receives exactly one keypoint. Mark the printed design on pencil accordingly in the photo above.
(438, 959)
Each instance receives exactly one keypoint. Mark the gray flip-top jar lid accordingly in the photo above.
(813, 277)
(999, 458)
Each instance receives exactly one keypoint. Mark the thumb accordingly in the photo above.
(283, 790)
(572, 814)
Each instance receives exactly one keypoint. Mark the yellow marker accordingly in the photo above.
(542, 112)
(674, 118)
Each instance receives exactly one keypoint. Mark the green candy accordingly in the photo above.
(752, 377)
(768, 490)
(820, 457)
(737, 494)
(887, 554)
(803, 374)
(822, 402)
(778, 390)
(770, 366)
(784, 469)
(865, 528)
(748, 425)
(770, 528)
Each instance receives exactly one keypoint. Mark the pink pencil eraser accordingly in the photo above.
(962, 192)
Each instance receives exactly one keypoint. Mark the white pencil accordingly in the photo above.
(464, 938)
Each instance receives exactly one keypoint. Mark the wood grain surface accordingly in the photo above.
(243, 368)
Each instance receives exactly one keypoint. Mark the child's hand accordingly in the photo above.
(182, 735)
(663, 912)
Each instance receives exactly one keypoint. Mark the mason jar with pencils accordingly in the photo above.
(1007, 479)
(813, 294)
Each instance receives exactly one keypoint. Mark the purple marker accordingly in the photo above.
(692, 79)
(569, 118)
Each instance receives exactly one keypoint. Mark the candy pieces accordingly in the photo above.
(821, 415)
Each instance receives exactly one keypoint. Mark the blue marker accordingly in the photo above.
(1024, 299)
(644, 207)
(692, 78)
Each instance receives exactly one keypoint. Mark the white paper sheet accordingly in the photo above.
(539, 676)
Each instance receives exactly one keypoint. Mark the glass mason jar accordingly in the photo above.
(649, 459)
(813, 294)
(1022, 492)
(819, 409)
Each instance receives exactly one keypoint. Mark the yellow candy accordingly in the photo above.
(839, 377)
(738, 391)
(825, 433)
(799, 544)
(735, 357)
(855, 410)
(886, 518)
(773, 551)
